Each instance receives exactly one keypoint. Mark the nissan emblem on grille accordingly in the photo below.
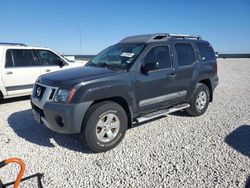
(38, 91)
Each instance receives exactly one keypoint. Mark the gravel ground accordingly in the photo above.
(212, 150)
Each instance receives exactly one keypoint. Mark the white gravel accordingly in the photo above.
(212, 150)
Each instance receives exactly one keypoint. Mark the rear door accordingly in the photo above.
(20, 72)
(185, 62)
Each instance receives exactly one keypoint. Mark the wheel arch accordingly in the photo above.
(208, 83)
(123, 103)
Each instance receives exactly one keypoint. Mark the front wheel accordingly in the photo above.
(199, 100)
(104, 126)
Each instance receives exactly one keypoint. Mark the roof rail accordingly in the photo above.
(172, 35)
(12, 44)
(156, 37)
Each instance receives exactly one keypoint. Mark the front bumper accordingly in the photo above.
(61, 118)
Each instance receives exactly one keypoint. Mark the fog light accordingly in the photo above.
(59, 121)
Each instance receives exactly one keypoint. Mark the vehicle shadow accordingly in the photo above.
(26, 127)
(248, 182)
(16, 99)
(239, 139)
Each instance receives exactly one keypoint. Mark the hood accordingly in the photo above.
(70, 77)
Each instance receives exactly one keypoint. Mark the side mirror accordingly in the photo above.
(217, 54)
(61, 63)
(150, 66)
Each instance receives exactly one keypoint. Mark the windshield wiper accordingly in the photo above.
(99, 64)
(91, 64)
(103, 65)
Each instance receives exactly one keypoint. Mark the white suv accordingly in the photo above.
(21, 65)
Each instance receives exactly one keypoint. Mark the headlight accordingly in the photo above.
(64, 96)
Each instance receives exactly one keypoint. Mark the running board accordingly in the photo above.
(160, 113)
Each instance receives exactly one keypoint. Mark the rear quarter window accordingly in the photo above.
(206, 51)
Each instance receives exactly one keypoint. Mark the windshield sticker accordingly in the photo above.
(127, 54)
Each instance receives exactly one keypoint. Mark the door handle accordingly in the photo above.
(9, 72)
(48, 70)
(172, 76)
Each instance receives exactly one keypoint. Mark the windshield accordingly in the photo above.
(120, 56)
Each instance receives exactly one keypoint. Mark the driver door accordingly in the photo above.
(51, 61)
(154, 87)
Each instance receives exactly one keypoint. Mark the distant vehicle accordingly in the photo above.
(21, 65)
(139, 79)
(70, 58)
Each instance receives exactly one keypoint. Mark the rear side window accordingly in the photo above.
(185, 54)
(159, 54)
(23, 58)
(206, 51)
(9, 60)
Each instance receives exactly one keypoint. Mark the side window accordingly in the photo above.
(9, 60)
(37, 60)
(185, 54)
(159, 55)
(23, 58)
(206, 51)
(49, 58)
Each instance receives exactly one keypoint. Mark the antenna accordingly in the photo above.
(80, 36)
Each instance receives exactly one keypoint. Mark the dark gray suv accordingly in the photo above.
(140, 78)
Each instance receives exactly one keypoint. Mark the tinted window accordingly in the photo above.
(185, 54)
(206, 51)
(159, 54)
(9, 61)
(23, 58)
(49, 58)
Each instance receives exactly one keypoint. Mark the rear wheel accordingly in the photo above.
(1, 184)
(1, 95)
(1, 100)
(199, 100)
(104, 126)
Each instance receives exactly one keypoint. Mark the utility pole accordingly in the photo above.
(80, 35)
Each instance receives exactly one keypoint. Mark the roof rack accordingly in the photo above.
(166, 36)
(172, 35)
(156, 37)
(12, 44)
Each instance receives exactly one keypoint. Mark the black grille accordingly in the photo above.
(52, 94)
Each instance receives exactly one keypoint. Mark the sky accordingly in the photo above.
(101, 23)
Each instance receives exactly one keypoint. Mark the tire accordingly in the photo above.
(104, 126)
(1, 95)
(199, 100)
